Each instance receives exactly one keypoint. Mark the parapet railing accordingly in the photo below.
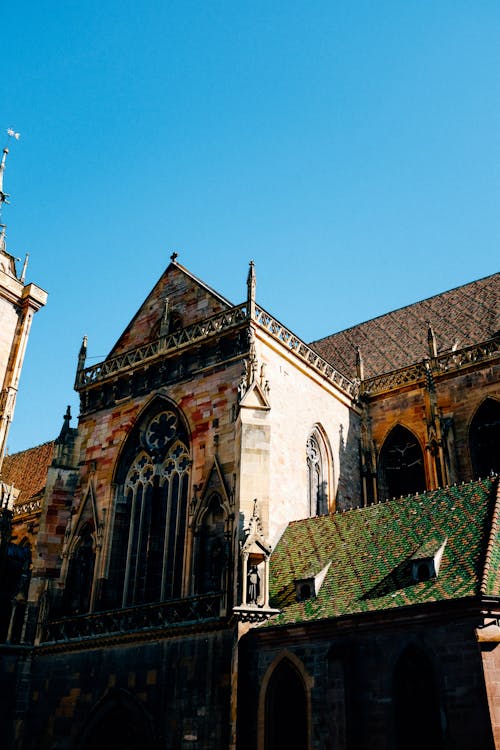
(205, 328)
(24, 509)
(173, 341)
(303, 351)
(440, 365)
(142, 618)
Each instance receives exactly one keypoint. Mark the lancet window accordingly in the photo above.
(79, 580)
(212, 553)
(317, 475)
(151, 511)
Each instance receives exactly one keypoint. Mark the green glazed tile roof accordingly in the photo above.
(371, 551)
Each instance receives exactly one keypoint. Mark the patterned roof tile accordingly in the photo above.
(460, 317)
(371, 551)
(27, 470)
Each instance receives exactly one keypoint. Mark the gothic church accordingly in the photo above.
(250, 542)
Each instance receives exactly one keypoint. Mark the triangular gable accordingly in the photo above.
(214, 483)
(255, 398)
(86, 512)
(187, 297)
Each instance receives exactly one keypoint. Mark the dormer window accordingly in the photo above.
(305, 589)
(308, 587)
(426, 560)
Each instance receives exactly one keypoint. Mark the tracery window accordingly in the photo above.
(79, 580)
(151, 511)
(401, 465)
(317, 485)
(484, 438)
(212, 553)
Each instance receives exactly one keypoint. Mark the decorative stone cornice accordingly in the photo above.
(304, 352)
(140, 619)
(442, 365)
(164, 345)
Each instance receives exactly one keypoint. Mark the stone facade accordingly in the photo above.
(207, 430)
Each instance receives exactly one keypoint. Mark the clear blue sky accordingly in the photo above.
(350, 148)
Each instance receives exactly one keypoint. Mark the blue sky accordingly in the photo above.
(350, 148)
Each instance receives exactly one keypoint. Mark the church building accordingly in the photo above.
(249, 542)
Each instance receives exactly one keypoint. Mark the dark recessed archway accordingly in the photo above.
(416, 703)
(118, 723)
(286, 709)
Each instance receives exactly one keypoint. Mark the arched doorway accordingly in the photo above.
(286, 710)
(119, 723)
(401, 465)
(416, 703)
(484, 439)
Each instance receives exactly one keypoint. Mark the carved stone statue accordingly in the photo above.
(253, 591)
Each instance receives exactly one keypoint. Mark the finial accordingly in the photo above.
(174, 256)
(82, 354)
(165, 318)
(65, 426)
(360, 368)
(251, 285)
(25, 266)
(431, 340)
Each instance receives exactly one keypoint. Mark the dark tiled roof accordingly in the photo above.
(463, 316)
(371, 549)
(27, 470)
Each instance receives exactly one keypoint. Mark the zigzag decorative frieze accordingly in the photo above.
(440, 365)
(304, 352)
(196, 332)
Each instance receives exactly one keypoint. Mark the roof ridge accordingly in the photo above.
(405, 307)
(495, 524)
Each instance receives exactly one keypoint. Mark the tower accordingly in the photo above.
(18, 303)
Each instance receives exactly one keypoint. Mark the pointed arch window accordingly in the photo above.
(484, 439)
(151, 511)
(317, 474)
(212, 553)
(80, 576)
(401, 465)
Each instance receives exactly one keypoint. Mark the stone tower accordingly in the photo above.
(18, 303)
